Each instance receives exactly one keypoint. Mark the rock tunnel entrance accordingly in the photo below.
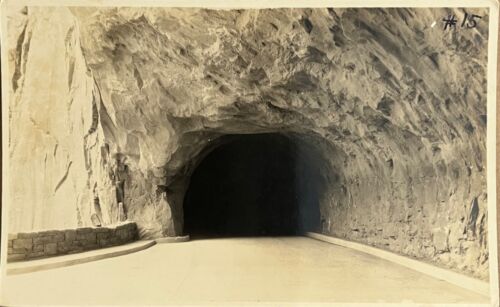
(255, 185)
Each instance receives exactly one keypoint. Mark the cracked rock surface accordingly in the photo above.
(114, 106)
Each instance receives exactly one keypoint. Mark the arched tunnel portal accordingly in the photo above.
(256, 185)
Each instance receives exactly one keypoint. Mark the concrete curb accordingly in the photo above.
(460, 280)
(173, 239)
(68, 260)
(88, 256)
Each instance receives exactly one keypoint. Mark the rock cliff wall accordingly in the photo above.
(49, 120)
(120, 105)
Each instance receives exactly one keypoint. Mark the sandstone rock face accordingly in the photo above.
(120, 105)
(50, 119)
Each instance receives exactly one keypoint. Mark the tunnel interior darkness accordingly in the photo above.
(255, 185)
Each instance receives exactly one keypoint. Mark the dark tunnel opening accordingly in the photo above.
(255, 185)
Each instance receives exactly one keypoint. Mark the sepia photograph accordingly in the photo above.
(229, 153)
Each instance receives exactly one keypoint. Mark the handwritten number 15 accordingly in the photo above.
(470, 19)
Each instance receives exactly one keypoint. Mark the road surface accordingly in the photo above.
(230, 270)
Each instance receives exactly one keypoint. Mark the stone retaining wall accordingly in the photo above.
(25, 246)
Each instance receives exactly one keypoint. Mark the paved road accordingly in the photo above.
(234, 270)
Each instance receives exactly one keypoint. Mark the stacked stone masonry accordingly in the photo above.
(33, 245)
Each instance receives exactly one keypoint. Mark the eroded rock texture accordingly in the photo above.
(120, 105)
